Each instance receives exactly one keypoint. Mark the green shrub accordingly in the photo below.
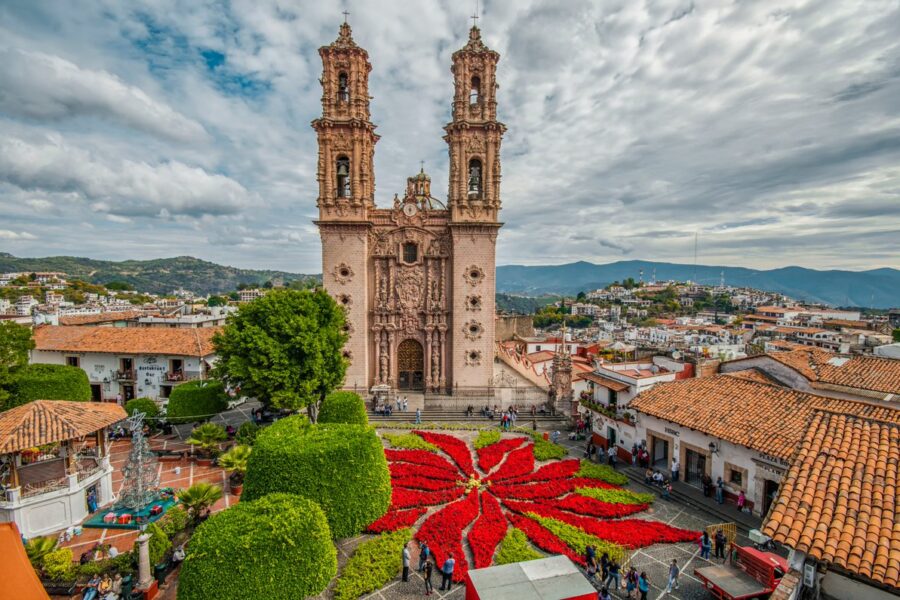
(343, 407)
(246, 433)
(58, 565)
(602, 472)
(50, 382)
(124, 563)
(373, 564)
(174, 521)
(159, 543)
(342, 467)
(579, 540)
(276, 547)
(408, 441)
(486, 438)
(515, 548)
(144, 405)
(37, 548)
(616, 496)
(196, 401)
(546, 450)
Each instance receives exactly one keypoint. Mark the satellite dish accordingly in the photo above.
(676, 355)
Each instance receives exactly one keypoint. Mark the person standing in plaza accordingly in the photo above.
(741, 501)
(424, 555)
(429, 589)
(705, 545)
(447, 573)
(634, 454)
(631, 581)
(405, 556)
(418, 416)
(720, 490)
(643, 585)
(674, 572)
(675, 468)
(720, 541)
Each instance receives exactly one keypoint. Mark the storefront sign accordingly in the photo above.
(674, 432)
(773, 460)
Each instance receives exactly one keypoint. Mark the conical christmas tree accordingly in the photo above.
(141, 484)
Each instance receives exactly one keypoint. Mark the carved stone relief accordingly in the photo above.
(473, 330)
(473, 302)
(474, 275)
(342, 273)
(473, 358)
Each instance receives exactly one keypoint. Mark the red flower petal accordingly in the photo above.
(404, 498)
(487, 531)
(396, 519)
(633, 533)
(490, 456)
(518, 462)
(455, 448)
(587, 482)
(535, 491)
(543, 538)
(399, 469)
(419, 457)
(422, 483)
(443, 532)
(560, 469)
(595, 508)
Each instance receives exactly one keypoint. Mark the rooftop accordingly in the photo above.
(126, 340)
(47, 421)
(838, 502)
(860, 372)
(103, 317)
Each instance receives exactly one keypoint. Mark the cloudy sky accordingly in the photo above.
(154, 128)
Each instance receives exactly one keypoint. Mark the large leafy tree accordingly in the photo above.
(15, 342)
(285, 348)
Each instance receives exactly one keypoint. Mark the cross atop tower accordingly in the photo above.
(422, 163)
(346, 14)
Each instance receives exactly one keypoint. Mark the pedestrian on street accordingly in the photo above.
(634, 454)
(424, 555)
(631, 581)
(447, 573)
(720, 490)
(741, 501)
(604, 594)
(674, 572)
(604, 567)
(643, 585)
(613, 581)
(613, 459)
(429, 589)
(675, 468)
(405, 556)
(720, 541)
(705, 545)
(418, 416)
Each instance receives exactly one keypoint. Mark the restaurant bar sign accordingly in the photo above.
(773, 460)
(674, 432)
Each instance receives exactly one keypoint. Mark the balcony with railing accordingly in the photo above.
(125, 375)
(177, 376)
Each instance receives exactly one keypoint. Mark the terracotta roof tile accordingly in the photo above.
(860, 372)
(761, 416)
(606, 382)
(103, 317)
(126, 340)
(838, 501)
(754, 375)
(45, 421)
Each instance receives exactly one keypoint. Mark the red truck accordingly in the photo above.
(750, 573)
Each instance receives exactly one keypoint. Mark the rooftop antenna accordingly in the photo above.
(696, 235)
(422, 162)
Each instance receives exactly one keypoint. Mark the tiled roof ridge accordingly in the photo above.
(868, 417)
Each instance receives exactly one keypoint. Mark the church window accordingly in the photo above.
(475, 93)
(343, 88)
(410, 252)
(343, 177)
(474, 178)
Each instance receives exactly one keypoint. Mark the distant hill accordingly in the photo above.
(159, 276)
(877, 288)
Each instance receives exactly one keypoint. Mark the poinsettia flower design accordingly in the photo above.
(478, 504)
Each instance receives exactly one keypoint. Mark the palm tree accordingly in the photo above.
(208, 436)
(235, 460)
(198, 498)
(38, 548)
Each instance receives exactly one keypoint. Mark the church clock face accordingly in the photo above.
(410, 210)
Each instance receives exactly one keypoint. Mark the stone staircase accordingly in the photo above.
(438, 415)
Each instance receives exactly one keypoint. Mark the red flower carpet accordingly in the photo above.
(505, 490)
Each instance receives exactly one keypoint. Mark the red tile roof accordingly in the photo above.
(839, 501)
(126, 340)
(103, 317)
(861, 372)
(46, 421)
(606, 382)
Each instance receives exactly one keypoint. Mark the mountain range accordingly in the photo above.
(876, 288)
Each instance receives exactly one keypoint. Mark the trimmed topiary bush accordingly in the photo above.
(58, 565)
(343, 407)
(196, 401)
(278, 546)
(159, 544)
(144, 405)
(340, 466)
(246, 433)
(374, 563)
(50, 382)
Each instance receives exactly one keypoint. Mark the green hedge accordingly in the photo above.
(408, 441)
(616, 496)
(579, 540)
(343, 407)
(196, 401)
(276, 547)
(50, 382)
(373, 564)
(602, 472)
(246, 433)
(144, 405)
(515, 548)
(546, 450)
(342, 467)
(486, 438)
(174, 521)
(159, 544)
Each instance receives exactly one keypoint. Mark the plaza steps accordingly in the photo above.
(433, 415)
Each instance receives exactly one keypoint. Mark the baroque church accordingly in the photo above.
(417, 277)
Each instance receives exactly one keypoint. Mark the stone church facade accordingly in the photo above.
(416, 278)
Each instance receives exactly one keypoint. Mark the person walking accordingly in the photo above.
(631, 581)
(429, 589)
(675, 468)
(405, 556)
(418, 417)
(674, 572)
(613, 581)
(604, 594)
(741, 501)
(720, 541)
(643, 585)
(604, 566)
(447, 573)
(705, 545)
(424, 555)
(613, 457)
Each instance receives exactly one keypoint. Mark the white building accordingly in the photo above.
(587, 310)
(250, 295)
(128, 362)
(24, 305)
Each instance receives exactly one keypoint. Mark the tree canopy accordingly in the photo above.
(15, 342)
(285, 348)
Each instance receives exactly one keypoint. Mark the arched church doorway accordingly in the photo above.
(410, 365)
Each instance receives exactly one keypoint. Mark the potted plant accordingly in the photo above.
(208, 437)
(198, 498)
(235, 460)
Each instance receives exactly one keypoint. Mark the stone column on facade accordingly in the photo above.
(145, 575)
(355, 179)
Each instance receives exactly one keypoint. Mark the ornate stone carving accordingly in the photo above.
(474, 275)
(410, 282)
(344, 300)
(342, 273)
(473, 302)
(473, 330)
(473, 358)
